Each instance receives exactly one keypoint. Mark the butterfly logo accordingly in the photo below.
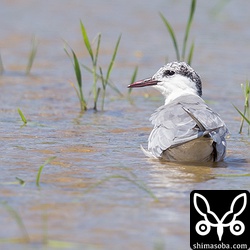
(203, 227)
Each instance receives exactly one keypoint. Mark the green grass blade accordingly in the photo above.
(77, 69)
(76, 90)
(83, 103)
(49, 160)
(41, 168)
(96, 98)
(113, 58)
(172, 34)
(218, 7)
(14, 214)
(68, 54)
(243, 117)
(79, 81)
(189, 23)
(133, 78)
(86, 41)
(97, 49)
(20, 181)
(32, 55)
(22, 116)
(1, 65)
(111, 85)
(39, 175)
(246, 113)
(246, 92)
(104, 84)
(78, 75)
(102, 78)
(190, 55)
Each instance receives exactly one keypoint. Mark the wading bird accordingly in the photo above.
(185, 128)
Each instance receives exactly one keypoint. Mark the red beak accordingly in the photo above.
(143, 83)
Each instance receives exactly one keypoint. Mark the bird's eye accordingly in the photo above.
(168, 73)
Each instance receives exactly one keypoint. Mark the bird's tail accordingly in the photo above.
(147, 153)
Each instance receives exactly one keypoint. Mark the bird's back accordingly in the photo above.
(187, 130)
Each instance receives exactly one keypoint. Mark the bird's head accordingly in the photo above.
(172, 80)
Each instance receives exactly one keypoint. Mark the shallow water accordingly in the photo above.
(100, 192)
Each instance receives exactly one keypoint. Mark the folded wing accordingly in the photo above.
(185, 119)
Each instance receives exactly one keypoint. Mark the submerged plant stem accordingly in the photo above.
(140, 185)
(14, 214)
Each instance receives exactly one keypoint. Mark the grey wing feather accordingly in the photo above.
(185, 119)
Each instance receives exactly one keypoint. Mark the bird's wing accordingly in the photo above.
(186, 118)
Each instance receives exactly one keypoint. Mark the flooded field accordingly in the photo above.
(99, 191)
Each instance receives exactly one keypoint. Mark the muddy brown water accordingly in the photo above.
(69, 210)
